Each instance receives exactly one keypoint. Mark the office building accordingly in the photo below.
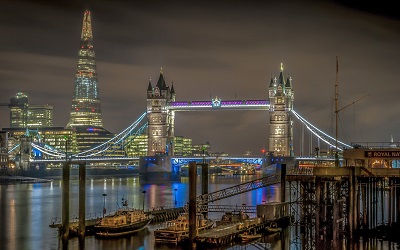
(40, 116)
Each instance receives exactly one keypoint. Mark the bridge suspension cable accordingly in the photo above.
(117, 140)
(48, 150)
(13, 148)
(320, 134)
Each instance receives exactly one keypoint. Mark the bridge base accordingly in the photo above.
(157, 169)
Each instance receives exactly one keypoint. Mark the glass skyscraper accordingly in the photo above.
(85, 109)
(19, 110)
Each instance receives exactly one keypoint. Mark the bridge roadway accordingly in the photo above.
(175, 160)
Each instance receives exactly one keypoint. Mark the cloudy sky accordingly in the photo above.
(228, 49)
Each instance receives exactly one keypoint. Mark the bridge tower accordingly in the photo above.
(160, 130)
(281, 96)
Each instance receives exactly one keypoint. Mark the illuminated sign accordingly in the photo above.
(383, 154)
(216, 102)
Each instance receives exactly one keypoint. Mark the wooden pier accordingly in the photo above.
(333, 206)
(225, 234)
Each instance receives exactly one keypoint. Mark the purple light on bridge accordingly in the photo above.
(257, 102)
(178, 104)
(207, 103)
(231, 103)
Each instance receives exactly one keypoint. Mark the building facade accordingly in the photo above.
(281, 96)
(136, 146)
(25, 115)
(40, 116)
(183, 146)
(85, 108)
(19, 110)
(4, 160)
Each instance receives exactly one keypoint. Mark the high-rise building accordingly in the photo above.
(85, 117)
(40, 116)
(85, 109)
(19, 110)
(23, 114)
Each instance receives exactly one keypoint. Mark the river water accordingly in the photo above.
(26, 211)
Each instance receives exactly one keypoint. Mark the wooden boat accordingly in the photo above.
(232, 217)
(124, 222)
(177, 230)
(272, 227)
(244, 237)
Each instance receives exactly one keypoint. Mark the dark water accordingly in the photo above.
(26, 211)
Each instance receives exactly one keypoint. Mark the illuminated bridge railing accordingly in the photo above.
(216, 104)
(87, 159)
(238, 189)
(199, 159)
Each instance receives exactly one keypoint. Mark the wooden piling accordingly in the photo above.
(283, 182)
(82, 199)
(204, 184)
(192, 204)
(65, 200)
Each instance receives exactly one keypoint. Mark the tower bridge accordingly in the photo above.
(158, 120)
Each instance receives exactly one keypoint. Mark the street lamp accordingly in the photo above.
(144, 196)
(175, 195)
(104, 204)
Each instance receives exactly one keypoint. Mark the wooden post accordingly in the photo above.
(82, 199)
(283, 182)
(350, 207)
(192, 204)
(204, 184)
(318, 225)
(65, 200)
(336, 204)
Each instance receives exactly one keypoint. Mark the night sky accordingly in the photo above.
(228, 49)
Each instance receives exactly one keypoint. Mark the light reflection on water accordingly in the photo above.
(26, 211)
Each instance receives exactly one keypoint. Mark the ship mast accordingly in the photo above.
(336, 115)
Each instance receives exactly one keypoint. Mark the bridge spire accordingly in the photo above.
(172, 88)
(161, 81)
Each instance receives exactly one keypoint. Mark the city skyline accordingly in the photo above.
(229, 50)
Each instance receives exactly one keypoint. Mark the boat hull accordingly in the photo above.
(176, 236)
(249, 237)
(119, 231)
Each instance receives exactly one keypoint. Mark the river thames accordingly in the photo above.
(26, 211)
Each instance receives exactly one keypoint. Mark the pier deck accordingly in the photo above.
(224, 234)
